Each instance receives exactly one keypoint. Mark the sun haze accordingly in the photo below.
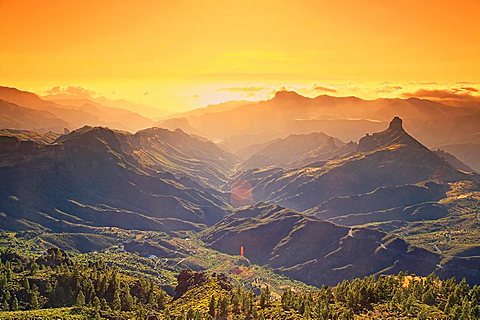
(184, 54)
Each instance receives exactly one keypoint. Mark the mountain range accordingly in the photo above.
(238, 126)
(26, 110)
(311, 205)
(347, 118)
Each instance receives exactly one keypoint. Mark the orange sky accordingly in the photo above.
(183, 54)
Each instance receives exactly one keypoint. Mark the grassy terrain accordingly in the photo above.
(53, 313)
(191, 253)
(246, 291)
(456, 234)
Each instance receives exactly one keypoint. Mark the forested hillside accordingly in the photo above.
(55, 284)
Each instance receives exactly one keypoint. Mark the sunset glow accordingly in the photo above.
(185, 54)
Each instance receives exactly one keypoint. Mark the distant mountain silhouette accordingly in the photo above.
(469, 153)
(66, 99)
(13, 116)
(57, 116)
(347, 118)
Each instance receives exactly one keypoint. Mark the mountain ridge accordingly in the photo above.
(376, 162)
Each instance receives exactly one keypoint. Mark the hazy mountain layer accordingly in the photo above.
(347, 118)
(296, 151)
(34, 113)
(469, 153)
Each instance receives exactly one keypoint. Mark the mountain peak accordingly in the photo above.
(396, 124)
(285, 94)
(394, 135)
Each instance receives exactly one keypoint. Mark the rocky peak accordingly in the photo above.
(394, 135)
(396, 124)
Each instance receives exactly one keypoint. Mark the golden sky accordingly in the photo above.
(183, 54)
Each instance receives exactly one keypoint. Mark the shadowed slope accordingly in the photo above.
(314, 251)
(95, 177)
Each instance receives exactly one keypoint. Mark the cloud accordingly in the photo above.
(471, 89)
(454, 96)
(436, 94)
(324, 89)
(389, 89)
(466, 82)
(242, 89)
(77, 91)
(424, 83)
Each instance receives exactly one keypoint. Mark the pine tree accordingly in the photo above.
(190, 314)
(97, 316)
(117, 302)
(127, 304)
(49, 291)
(102, 286)
(104, 304)
(428, 297)
(264, 298)
(3, 280)
(223, 306)
(60, 295)
(80, 302)
(34, 299)
(160, 300)
(15, 304)
(287, 299)
(306, 312)
(96, 303)
(26, 284)
(212, 306)
(33, 268)
(8, 271)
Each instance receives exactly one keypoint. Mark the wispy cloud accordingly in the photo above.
(438, 94)
(242, 89)
(77, 91)
(463, 96)
(324, 89)
(388, 89)
(470, 89)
